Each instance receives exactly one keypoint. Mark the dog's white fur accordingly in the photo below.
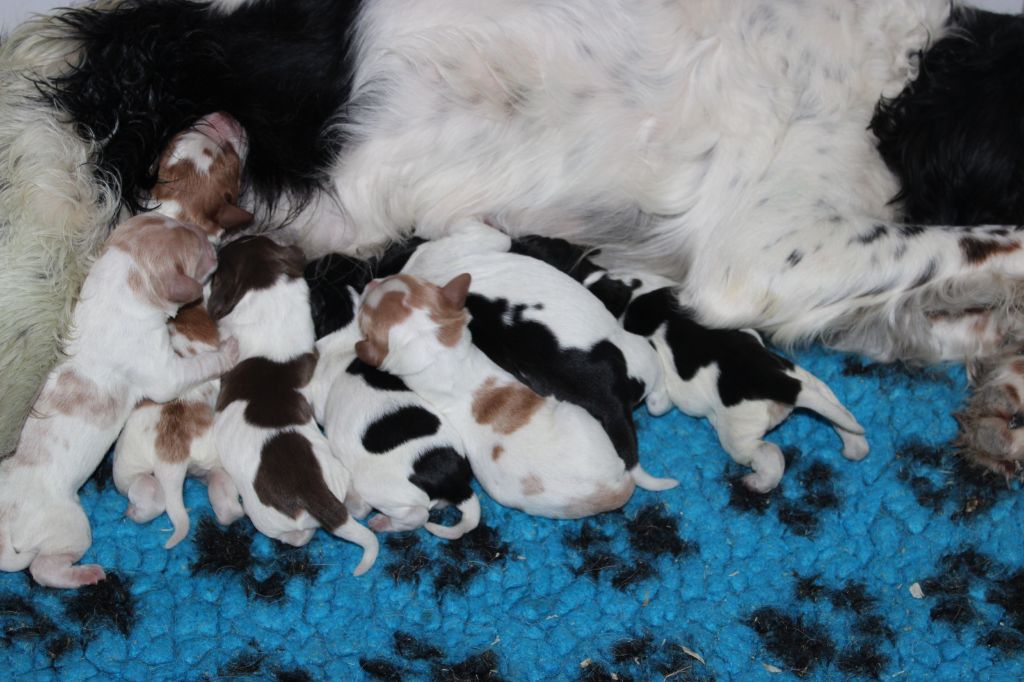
(716, 143)
(143, 469)
(549, 458)
(346, 405)
(240, 444)
(119, 353)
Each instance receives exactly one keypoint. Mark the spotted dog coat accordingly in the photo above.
(728, 376)
(550, 333)
(534, 453)
(404, 458)
(289, 479)
(198, 181)
(120, 353)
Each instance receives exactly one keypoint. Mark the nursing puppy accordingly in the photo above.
(119, 354)
(403, 457)
(540, 455)
(727, 376)
(198, 181)
(545, 329)
(289, 479)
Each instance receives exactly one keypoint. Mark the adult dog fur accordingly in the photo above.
(722, 144)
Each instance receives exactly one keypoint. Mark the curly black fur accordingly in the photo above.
(150, 68)
(222, 549)
(954, 135)
(108, 603)
(801, 645)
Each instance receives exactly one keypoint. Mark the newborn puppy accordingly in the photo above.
(198, 181)
(289, 479)
(541, 455)
(728, 376)
(551, 334)
(403, 457)
(120, 353)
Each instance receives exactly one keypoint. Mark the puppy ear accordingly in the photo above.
(225, 293)
(456, 291)
(182, 289)
(231, 217)
(368, 353)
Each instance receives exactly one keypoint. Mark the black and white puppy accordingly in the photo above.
(404, 457)
(289, 479)
(744, 389)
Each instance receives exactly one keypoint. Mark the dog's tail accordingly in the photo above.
(355, 532)
(647, 482)
(171, 478)
(470, 509)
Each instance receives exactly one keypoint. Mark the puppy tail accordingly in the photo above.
(172, 479)
(470, 509)
(355, 532)
(647, 482)
(816, 396)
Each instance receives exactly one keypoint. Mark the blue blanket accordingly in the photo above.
(706, 581)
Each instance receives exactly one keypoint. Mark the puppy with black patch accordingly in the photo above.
(289, 479)
(404, 458)
(549, 332)
(538, 454)
(729, 376)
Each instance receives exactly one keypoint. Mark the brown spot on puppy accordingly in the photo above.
(497, 452)
(75, 395)
(977, 251)
(376, 326)
(290, 480)
(204, 197)
(195, 324)
(532, 485)
(180, 423)
(250, 264)
(271, 390)
(603, 499)
(505, 408)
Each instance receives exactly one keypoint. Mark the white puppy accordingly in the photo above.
(199, 178)
(289, 479)
(404, 458)
(540, 455)
(119, 353)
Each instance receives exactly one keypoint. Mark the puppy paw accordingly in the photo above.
(855, 447)
(230, 350)
(88, 574)
(380, 523)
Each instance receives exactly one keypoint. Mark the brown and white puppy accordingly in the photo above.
(541, 455)
(150, 266)
(198, 181)
(290, 481)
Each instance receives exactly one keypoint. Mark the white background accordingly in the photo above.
(13, 12)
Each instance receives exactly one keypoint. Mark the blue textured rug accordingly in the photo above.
(701, 582)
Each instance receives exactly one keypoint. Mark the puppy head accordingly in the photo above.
(199, 176)
(170, 259)
(406, 321)
(250, 264)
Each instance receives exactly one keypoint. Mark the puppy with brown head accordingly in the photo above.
(198, 182)
(120, 353)
(534, 453)
(992, 423)
(282, 465)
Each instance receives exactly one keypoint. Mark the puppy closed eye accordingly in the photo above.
(1016, 421)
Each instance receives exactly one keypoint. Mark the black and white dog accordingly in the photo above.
(723, 145)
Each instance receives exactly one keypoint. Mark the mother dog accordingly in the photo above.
(725, 144)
